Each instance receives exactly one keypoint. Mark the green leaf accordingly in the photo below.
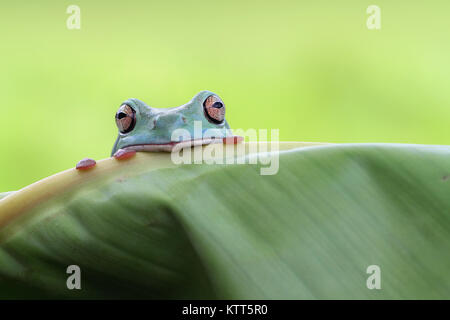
(4, 194)
(216, 231)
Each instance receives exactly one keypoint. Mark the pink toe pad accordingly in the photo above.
(122, 154)
(85, 164)
(232, 140)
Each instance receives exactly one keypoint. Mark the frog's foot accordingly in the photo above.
(232, 140)
(123, 154)
(85, 164)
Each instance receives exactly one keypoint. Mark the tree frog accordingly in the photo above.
(144, 128)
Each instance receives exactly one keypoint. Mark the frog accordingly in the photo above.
(147, 129)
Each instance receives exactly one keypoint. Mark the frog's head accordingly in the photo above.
(143, 128)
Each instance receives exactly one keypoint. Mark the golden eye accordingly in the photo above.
(125, 118)
(214, 109)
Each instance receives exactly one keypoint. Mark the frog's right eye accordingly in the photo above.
(214, 109)
(125, 118)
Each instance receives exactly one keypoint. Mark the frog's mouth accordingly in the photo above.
(175, 146)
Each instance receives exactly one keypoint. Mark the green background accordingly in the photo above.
(309, 68)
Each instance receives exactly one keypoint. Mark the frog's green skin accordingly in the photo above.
(153, 127)
(202, 121)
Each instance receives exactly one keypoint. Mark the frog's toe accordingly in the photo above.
(85, 164)
(122, 154)
(233, 140)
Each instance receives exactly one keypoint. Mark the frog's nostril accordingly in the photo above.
(217, 105)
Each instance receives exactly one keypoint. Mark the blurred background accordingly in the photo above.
(309, 68)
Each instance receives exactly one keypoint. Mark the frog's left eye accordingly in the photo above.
(125, 118)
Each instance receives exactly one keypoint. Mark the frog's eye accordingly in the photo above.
(214, 109)
(125, 118)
